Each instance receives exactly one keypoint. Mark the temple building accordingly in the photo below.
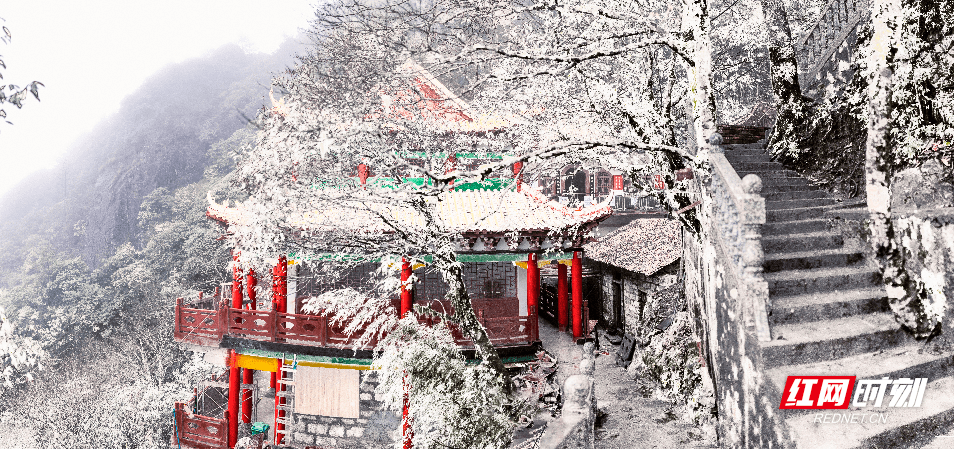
(307, 378)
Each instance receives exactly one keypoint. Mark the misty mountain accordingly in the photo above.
(160, 137)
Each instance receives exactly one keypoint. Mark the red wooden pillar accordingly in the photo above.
(250, 283)
(236, 281)
(533, 295)
(247, 378)
(233, 404)
(450, 166)
(533, 284)
(562, 303)
(281, 285)
(406, 301)
(407, 430)
(279, 401)
(363, 173)
(279, 297)
(577, 272)
(518, 173)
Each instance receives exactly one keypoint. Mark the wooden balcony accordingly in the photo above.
(207, 327)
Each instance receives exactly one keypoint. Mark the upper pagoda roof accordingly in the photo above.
(426, 99)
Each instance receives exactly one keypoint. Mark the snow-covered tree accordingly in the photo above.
(11, 93)
(907, 65)
(545, 85)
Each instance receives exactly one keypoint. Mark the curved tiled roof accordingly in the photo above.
(468, 211)
(643, 246)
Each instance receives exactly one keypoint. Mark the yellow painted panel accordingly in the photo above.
(540, 263)
(268, 364)
(335, 365)
(256, 363)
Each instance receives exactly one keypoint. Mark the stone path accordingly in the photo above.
(633, 419)
(629, 418)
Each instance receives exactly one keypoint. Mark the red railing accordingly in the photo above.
(199, 326)
(197, 431)
(207, 327)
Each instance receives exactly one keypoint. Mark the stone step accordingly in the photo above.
(747, 166)
(745, 150)
(776, 187)
(732, 147)
(798, 213)
(766, 174)
(817, 341)
(909, 360)
(819, 280)
(941, 441)
(794, 195)
(769, 182)
(780, 228)
(797, 204)
(746, 140)
(895, 427)
(805, 260)
(743, 156)
(827, 306)
(801, 241)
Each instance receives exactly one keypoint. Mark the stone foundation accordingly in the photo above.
(376, 427)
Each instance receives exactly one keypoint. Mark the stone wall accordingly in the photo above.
(376, 427)
(927, 242)
(747, 408)
(647, 300)
(726, 297)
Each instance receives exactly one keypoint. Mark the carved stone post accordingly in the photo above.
(753, 217)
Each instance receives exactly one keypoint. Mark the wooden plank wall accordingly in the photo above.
(327, 392)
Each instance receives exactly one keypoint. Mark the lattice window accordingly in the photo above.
(604, 182)
(491, 279)
(483, 280)
(312, 280)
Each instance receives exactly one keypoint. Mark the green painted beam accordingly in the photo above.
(462, 257)
(305, 358)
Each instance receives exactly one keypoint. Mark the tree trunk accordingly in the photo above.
(467, 319)
(695, 21)
(784, 74)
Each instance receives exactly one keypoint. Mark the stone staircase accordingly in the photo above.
(830, 316)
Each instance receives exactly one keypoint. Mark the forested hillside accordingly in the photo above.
(95, 251)
(160, 137)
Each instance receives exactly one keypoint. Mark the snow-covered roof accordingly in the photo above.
(643, 246)
(468, 212)
(433, 103)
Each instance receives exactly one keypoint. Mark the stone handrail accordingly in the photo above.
(822, 40)
(738, 215)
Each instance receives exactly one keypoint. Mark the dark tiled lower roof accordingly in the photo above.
(643, 246)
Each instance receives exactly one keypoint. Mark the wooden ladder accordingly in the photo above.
(284, 399)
